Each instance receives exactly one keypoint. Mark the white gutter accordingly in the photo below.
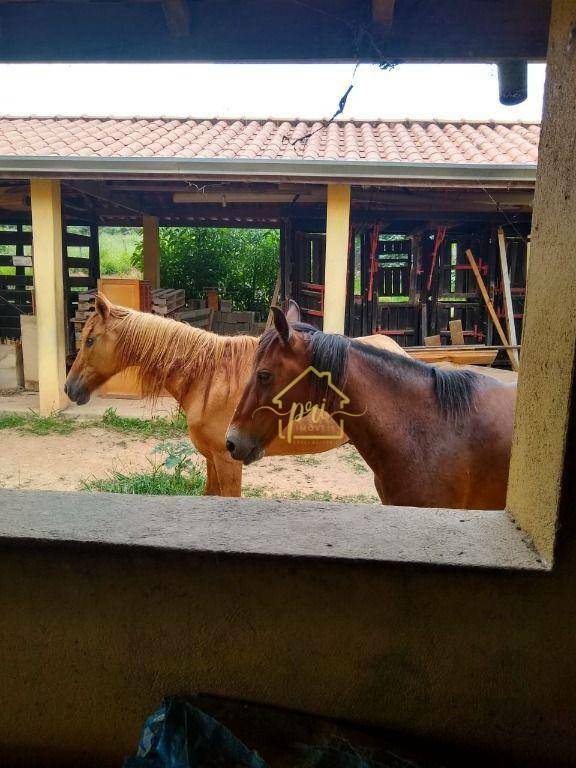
(325, 170)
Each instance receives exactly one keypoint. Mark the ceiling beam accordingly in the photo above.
(101, 192)
(226, 197)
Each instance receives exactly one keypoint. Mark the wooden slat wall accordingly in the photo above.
(81, 268)
(15, 287)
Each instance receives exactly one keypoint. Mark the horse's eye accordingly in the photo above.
(89, 341)
(264, 376)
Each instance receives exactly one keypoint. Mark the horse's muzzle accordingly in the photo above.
(76, 391)
(242, 447)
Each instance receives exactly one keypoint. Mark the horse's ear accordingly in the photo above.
(102, 306)
(281, 324)
(293, 314)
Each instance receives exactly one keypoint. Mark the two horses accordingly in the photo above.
(204, 372)
(433, 437)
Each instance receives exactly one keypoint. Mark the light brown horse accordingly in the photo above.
(433, 437)
(204, 372)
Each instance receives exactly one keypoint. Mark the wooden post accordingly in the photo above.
(540, 460)
(508, 308)
(151, 250)
(491, 309)
(456, 333)
(49, 293)
(337, 234)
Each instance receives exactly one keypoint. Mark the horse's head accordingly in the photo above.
(281, 356)
(96, 360)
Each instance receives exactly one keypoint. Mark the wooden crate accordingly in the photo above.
(133, 294)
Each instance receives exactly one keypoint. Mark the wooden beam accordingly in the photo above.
(151, 250)
(234, 196)
(177, 15)
(100, 192)
(508, 307)
(49, 293)
(337, 234)
(383, 13)
(490, 307)
(456, 332)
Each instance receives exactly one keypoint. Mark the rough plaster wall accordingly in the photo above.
(548, 341)
(91, 641)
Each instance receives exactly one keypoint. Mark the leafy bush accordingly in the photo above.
(242, 263)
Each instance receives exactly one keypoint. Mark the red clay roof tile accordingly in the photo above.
(384, 141)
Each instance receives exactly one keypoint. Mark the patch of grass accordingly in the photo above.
(11, 420)
(156, 482)
(176, 475)
(306, 459)
(33, 423)
(352, 457)
(157, 426)
(259, 492)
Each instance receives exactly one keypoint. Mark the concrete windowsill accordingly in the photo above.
(264, 527)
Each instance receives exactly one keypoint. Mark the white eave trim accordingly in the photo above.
(324, 170)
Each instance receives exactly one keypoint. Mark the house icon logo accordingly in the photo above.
(310, 421)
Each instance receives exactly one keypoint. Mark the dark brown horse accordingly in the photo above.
(433, 437)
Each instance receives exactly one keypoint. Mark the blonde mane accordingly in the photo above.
(165, 350)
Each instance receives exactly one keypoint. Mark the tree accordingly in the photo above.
(242, 263)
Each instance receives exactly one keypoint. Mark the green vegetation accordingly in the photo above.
(157, 426)
(306, 459)
(243, 263)
(176, 475)
(352, 457)
(117, 245)
(258, 492)
(34, 424)
(156, 482)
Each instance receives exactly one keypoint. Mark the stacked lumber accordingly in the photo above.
(84, 309)
(167, 301)
(233, 323)
(197, 318)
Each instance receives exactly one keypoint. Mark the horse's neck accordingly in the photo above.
(175, 385)
(389, 406)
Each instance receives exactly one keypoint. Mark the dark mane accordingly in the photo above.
(454, 389)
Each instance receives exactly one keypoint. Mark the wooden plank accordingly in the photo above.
(456, 332)
(433, 341)
(449, 354)
(508, 307)
(274, 302)
(490, 307)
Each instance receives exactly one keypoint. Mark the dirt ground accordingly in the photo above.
(61, 462)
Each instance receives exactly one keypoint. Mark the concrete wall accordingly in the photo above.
(91, 640)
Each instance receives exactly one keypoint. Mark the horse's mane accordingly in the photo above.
(454, 390)
(164, 350)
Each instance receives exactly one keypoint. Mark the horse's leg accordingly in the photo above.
(212, 487)
(229, 474)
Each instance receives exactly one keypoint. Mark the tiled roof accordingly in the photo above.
(400, 141)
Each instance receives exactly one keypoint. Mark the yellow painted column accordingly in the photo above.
(49, 293)
(151, 250)
(337, 234)
(540, 466)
